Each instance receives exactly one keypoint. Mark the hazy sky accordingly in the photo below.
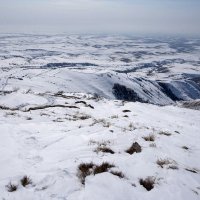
(100, 16)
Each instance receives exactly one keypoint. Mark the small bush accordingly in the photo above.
(99, 143)
(104, 149)
(102, 121)
(11, 187)
(85, 169)
(125, 111)
(119, 174)
(26, 181)
(174, 167)
(29, 118)
(184, 147)
(165, 133)
(150, 138)
(104, 167)
(167, 162)
(135, 148)
(191, 170)
(163, 162)
(148, 183)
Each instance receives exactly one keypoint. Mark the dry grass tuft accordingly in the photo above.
(185, 147)
(165, 133)
(119, 174)
(86, 169)
(150, 138)
(148, 183)
(167, 162)
(11, 187)
(191, 170)
(174, 167)
(26, 181)
(104, 149)
(125, 111)
(101, 121)
(99, 143)
(163, 162)
(104, 167)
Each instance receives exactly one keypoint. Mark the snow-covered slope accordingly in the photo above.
(49, 136)
(158, 71)
(77, 120)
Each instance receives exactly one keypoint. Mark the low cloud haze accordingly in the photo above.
(101, 16)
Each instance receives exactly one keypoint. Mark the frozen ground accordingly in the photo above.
(51, 122)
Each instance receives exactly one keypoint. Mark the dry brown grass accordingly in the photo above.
(104, 149)
(11, 187)
(150, 138)
(117, 173)
(185, 147)
(126, 111)
(191, 170)
(86, 169)
(163, 162)
(104, 167)
(148, 183)
(165, 133)
(26, 181)
(171, 164)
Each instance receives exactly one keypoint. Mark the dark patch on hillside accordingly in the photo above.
(166, 90)
(64, 64)
(121, 92)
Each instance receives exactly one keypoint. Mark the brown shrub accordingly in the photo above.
(119, 174)
(148, 183)
(11, 187)
(163, 162)
(165, 133)
(86, 169)
(104, 149)
(150, 138)
(104, 167)
(26, 181)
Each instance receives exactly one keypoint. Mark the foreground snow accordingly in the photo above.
(47, 135)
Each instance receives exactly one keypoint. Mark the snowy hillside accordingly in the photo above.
(48, 143)
(159, 71)
(81, 118)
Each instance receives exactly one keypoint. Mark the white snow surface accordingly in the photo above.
(58, 111)
(48, 145)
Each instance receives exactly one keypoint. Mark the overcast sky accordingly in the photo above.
(100, 16)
